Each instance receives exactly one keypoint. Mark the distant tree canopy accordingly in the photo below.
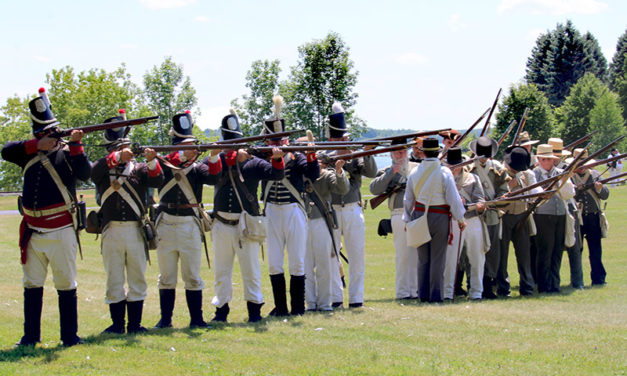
(617, 66)
(560, 58)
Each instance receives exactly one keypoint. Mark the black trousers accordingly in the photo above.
(549, 247)
(591, 230)
(432, 259)
(519, 235)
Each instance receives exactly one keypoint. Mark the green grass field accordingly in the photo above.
(573, 333)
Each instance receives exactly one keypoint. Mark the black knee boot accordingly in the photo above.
(254, 311)
(166, 303)
(194, 304)
(221, 313)
(278, 292)
(33, 301)
(68, 318)
(297, 294)
(135, 310)
(117, 312)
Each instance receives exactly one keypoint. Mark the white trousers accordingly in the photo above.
(55, 248)
(352, 226)
(318, 262)
(287, 228)
(123, 250)
(179, 239)
(406, 260)
(472, 239)
(614, 172)
(227, 244)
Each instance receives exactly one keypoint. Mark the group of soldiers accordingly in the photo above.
(471, 221)
(310, 201)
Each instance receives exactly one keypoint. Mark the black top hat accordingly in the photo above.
(484, 147)
(182, 128)
(430, 144)
(41, 113)
(115, 137)
(230, 127)
(275, 124)
(399, 141)
(517, 157)
(454, 156)
(337, 121)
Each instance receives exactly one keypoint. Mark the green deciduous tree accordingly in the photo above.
(324, 74)
(562, 56)
(262, 80)
(15, 124)
(167, 92)
(540, 120)
(606, 119)
(574, 115)
(617, 66)
(621, 88)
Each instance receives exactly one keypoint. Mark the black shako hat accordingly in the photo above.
(484, 147)
(230, 127)
(517, 157)
(41, 113)
(182, 128)
(337, 121)
(430, 144)
(275, 124)
(115, 137)
(454, 156)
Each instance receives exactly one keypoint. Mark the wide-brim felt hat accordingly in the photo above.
(545, 151)
(517, 157)
(484, 147)
(525, 140)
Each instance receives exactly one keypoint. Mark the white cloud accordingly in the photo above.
(411, 58)
(211, 117)
(166, 4)
(455, 23)
(554, 7)
(43, 59)
(201, 18)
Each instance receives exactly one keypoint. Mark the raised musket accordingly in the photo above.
(523, 121)
(411, 135)
(366, 153)
(60, 132)
(460, 139)
(602, 150)
(507, 131)
(542, 183)
(604, 161)
(486, 126)
(602, 181)
(580, 141)
(508, 200)
(259, 137)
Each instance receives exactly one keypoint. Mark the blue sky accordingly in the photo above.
(422, 64)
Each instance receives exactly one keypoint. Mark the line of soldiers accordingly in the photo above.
(469, 234)
(300, 192)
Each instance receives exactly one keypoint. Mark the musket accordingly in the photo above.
(460, 139)
(602, 181)
(486, 126)
(259, 137)
(538, 184)
(59, 132)
(353, 143)
(366, 153)
(138, 149)
(604, 161)
(507, 131)
(523, 121)
(411, 135)
(301, 148)
(507, 200)
(602, 150)
(378, 199)
(580, 140)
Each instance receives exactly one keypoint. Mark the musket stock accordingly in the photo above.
(99, 127)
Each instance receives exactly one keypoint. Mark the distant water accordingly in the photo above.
(383, 160)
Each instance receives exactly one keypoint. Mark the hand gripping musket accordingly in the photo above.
(508, 200)
(460, 139)
(580, 141)
(523, 121)
(329, 220)
(486, 127)
(602, 181)
(378, 199)
(569, 170)
(507, 131)
(59, 132)
(542, 183)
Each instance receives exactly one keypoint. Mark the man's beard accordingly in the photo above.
(404, 163)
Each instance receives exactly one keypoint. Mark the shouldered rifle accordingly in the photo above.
(59, 132)
(460, 139)
(580, 141)
(523, 121)
(602, 181)
(507, 131)
(486, 126)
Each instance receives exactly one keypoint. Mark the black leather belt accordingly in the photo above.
(229, 222)
(178, 206)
